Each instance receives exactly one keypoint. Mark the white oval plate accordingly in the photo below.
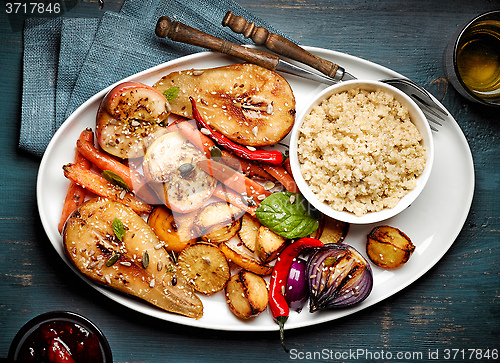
(432, 222)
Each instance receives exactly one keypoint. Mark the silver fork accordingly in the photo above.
(434, 112)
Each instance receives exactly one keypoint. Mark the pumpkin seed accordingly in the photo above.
(215, 153)
(145, 259)
(112, 260)
(186, 170)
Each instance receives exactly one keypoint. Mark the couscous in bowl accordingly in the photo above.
(361, 151)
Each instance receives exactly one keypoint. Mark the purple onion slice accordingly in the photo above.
(296, 290)
(339, 276)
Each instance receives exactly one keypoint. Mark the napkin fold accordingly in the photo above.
(68, 60)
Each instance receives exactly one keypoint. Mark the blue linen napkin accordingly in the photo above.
(66, 61)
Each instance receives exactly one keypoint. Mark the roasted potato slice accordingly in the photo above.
(175, 231)
(218, 221)
(205, 267)
(112, 245)
(171, 170)
(249, 104)
(268, 244)
(388, 247)
(249, 231)
(244, 260)
(332, 230)
(247, 294)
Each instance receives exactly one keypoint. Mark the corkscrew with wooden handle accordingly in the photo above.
(183, 33)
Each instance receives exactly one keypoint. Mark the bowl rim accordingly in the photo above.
(59, 315)
(416, 116)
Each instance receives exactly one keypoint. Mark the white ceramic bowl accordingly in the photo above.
(417, 117)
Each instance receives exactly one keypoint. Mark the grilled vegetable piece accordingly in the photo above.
(247, 294)
(244, 260)
(332, 230)
(388, 247)
(100, 186)
(112, 245)
(175, 231)
(248, 104)
(129, 118)
(249, 231)
(218, 222)
(339, 276)
(205, 267)
(171, 170)
(268, 244)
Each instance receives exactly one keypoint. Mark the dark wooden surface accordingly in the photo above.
(453, 306)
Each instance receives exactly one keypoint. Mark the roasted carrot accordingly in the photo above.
(201, 141)
(234, 198)
(233, 179)
(281, 175)
(100, 186)
(106, 162)
(75, 194)
(288, 167)
(134, 180)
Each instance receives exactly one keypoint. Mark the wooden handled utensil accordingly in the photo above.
(278, 44)
(183, 33)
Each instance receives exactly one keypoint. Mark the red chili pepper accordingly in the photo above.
(277, 302)
(267, 156)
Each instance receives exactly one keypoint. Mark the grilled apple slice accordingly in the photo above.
(218, 222)
(205, 267)
(170, 167)
(129, 118)
(249, 104)
(112, 245)
(247, 294)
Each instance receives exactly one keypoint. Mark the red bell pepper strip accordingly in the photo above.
(267, 156)
(277, 302)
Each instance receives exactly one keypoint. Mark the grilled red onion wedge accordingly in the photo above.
(338, 277)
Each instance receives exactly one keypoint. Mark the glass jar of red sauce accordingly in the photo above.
(57, 337)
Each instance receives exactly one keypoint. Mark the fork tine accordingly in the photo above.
(418, 93)
(431, 118)
(425, 107)
(426, 99)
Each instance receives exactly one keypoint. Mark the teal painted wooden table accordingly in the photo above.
(453, 308)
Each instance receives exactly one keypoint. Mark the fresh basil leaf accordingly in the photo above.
(115, 179)
(287, 214)
(119, 229)
(171, 93)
